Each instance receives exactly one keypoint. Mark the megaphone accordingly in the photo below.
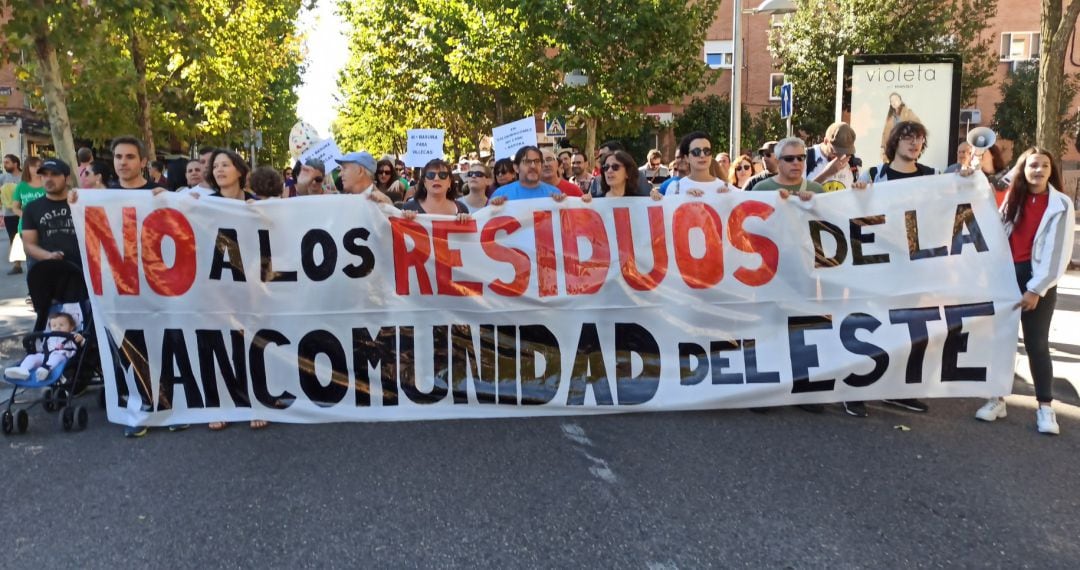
(981, 138)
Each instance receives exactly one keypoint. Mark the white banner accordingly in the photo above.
(320, 308)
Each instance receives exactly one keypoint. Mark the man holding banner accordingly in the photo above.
(527, 162)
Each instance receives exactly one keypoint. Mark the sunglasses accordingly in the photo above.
(793, 158)
(503, 172)
(744, 167)
(696, 152)
(612, 167)
(442, 175)
(386, 172)
(476, 174)
(765, 154)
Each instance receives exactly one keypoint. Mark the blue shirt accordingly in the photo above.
(515, 191)
(663, 187)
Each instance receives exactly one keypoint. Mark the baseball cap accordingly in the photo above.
(56, 166)
(767, 147)
(362, 158)
(842, 137)
(316, 164)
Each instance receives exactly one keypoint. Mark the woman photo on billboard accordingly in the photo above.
(897, 113)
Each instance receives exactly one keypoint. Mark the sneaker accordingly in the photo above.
(135, 431)
(179, 427)
(41, 374)
(910, 404)
(857, 409)
(1047, 420)
(993, 409)
(16, 373)
(812, 408)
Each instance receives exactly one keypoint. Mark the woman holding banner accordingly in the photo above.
(435, 193)
(619, 177)
(1039, 221)
(479, 181)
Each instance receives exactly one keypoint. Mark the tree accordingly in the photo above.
(808, 43)
(1056, 32)
(1015, 116)
(712, 114)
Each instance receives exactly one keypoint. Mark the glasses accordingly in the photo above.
(789, 158)
(744, 166)
(913, 138)
(503, 172)
(476, 174)
(385, 172)
(530, 161)
(442, 175)
(701, 151)
(550, 160)
(612, 167)
(765, 154)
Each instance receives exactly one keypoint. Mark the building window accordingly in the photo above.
(719, 53)
(1019, 46)
(776, 81)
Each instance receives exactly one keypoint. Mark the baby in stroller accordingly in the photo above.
(57, 349)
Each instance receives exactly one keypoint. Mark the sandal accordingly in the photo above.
(217, 426)
(259, 424)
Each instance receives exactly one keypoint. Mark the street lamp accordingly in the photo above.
(766, 7)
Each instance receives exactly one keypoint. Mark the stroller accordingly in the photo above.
(57, 286)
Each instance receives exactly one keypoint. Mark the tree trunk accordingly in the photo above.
(1056, 30)
(55, 98)
(145, 126)
(590, 137)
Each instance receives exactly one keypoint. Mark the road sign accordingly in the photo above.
(787, 102)
(555, 127)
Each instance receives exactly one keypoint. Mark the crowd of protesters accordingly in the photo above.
(1037, 216)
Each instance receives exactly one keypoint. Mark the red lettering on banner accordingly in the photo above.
(546, 275)
(515, 257)
(404, 258)
(624, 236)
(125, 269)
(705, 271)
(753, 243)
(178, 279)
(447, 259)
(584, 277)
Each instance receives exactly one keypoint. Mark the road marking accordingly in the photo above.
(599, 467)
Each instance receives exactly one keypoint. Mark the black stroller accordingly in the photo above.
(57, 286)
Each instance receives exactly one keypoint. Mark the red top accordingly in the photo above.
(1023, 234)
(569, 188)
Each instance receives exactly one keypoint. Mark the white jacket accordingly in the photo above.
(1052, 250)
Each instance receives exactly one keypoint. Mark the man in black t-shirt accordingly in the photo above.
(48, 231)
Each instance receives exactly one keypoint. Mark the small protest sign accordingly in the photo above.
(512, 136)
(325, 150)
(423, 146)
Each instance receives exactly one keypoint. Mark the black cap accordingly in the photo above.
(55, 165)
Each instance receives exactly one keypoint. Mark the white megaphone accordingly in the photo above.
(980, 139)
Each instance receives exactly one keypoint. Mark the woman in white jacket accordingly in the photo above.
(1039, 221)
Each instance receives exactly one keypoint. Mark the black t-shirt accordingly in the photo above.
(150, 185)
(51, 219)
(248, 195)
(891, 174)
(414, 205)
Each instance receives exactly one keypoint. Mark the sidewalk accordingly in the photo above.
(16, 316)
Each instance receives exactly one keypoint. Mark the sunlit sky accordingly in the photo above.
(327, 53)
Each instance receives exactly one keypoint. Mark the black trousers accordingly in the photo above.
(11, 224)
(1036, 327)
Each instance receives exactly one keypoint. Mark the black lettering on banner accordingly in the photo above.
(859, 238)
(463, 364)
(589, 370)
(805, 356)
(915, 251)
(323, 239)
(631, 338)
(957, 341)
(227, 243)
(719, 363)
(176, 369)
(211, 347)
(851, 325)
(753, 375)
(915, 319)
(354, 243)
(131, 354)
(257, 361)
(539, 387)
(965, 219)
(506, 377)
(379, 353)
(266, 262)
(691, 373)
(817, 227)
(308, 349)
(407, 371)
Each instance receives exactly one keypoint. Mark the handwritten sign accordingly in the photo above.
(423, 146)
(325, 150)
(512, 136)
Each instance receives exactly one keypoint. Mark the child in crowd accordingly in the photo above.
(58, 348)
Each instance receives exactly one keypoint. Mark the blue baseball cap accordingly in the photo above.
(362, 158)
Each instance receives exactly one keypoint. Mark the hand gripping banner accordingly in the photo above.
(323, 308)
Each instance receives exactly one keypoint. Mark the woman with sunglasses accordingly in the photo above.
(478, 179)
(741, 171)
(696, 147)
(619, 176)
(387, 182)
(435, 194)
(504, 174)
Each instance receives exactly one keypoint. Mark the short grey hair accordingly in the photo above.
(778, 151)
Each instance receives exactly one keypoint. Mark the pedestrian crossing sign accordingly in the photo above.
(555, 127)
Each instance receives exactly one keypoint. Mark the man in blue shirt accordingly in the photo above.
(527, 162)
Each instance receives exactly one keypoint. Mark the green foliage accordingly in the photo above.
(808, 43)
(712, 115)
(1015, 115)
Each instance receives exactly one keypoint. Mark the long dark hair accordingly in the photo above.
(434, 165)
(237, 162)
(1019, 190)
(393, 174)
(504, 165)
(627, 162)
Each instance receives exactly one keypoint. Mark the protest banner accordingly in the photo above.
(325, 150)
(510, 137)
(323, 308)
(423, 146)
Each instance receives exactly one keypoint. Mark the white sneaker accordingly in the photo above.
(16, 373)
(1047, 420)
(993, 409)
(41, 373)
